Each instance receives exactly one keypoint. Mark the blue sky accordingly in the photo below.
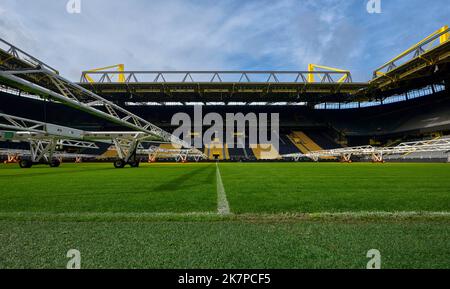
(220, 34)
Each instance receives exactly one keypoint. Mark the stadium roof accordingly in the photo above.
(425, 63)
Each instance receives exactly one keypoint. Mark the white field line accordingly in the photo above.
(401, 214)
(223, 208)
(136, 215)
(253, 216)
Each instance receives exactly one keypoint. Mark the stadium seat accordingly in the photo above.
(217, 150)
(265, 152)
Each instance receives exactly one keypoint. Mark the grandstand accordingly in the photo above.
(302, 128)
(314, 169)
(414, 106)
(217, 150)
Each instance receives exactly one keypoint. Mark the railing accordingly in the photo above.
(216, 76)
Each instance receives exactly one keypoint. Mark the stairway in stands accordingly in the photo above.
(303, 142)
(217, 150)
(306, 144)
(266, 152)
(287, 146)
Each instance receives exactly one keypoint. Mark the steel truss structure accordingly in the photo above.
(221, 86)
(13, 155)
(424, 62)
(42, 147)
(377, 153)
(45, 81)
(45, 137)
(346, 77)
(19, 70)
(432, 41)
(428, 61)
(180, 155)
(238, 76)
(120, 68)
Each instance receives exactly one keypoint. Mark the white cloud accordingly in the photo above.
(196, 34)
(172, 34)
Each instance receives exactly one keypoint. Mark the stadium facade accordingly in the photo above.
(321, 109)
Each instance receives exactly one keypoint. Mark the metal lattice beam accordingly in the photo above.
(437, 38)
(377, 153)
(43, 137)
(80, 98)
(69, 93)
(19, 54)
(45, 130)
(19, 123)
(328, 76)
(26, 136)
(8, 152)
(180, 154)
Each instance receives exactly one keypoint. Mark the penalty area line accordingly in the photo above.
(215, 216)
(104, 216)
(223, 208)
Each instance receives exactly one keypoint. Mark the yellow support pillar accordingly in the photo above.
(311, 75)
(445, 36)
(312, 67)
(120, 68)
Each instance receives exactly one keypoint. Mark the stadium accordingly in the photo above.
(96, 165)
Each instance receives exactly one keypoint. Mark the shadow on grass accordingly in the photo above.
(180, 181)
(204, 175)
(53, 171)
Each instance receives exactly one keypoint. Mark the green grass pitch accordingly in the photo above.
(283, 215)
